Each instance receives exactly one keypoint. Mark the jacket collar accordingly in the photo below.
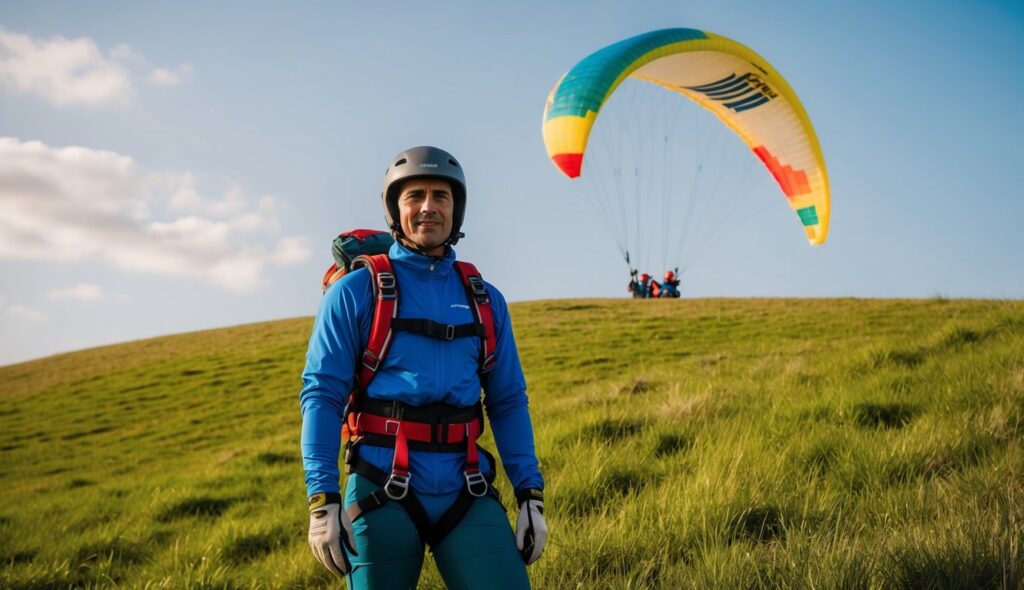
(409, 260)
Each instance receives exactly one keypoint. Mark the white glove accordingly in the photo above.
(329, 527)
(531, 529)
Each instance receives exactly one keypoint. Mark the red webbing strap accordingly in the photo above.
(385, 309)
(472, 455)
(361, 234)
(476, 290)
(385, 290)
(397, 485)
(333, 274)
(476, 484)
(423, 432)
(400, 465)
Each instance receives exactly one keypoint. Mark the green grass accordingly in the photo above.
(686, 444)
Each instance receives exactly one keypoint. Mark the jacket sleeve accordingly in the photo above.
(507, 404)
(339, 336)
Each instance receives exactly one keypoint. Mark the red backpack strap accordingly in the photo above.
(476, 291)
(361, 234)
(331, 276)
(385, 294)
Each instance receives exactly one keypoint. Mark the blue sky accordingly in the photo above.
(191, 165)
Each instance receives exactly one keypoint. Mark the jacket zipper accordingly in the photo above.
(439, 346)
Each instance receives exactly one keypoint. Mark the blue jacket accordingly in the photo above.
(417, 370)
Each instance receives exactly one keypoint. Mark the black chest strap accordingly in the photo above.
(438, 330)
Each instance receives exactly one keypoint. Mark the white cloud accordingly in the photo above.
(186, 197)
(163, 77)
(291, 250)
(26, 313)
(123, 52)
(80, 292)
(76, 203)
(64, 71)
(168, 77)
(74, 71)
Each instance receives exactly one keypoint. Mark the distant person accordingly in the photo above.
(640, 287)
(410, 482)
(634, 285)
(670, 286)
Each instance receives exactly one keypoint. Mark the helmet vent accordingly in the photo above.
(453, 162)
(400, 162)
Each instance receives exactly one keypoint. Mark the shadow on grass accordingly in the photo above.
(277, 458)
(52, 582)
(671, 444)
(198, 507)
(638, 386)
(976, 566)
(16, 557)
(611, 429)
(950, 458)
(759, 524)
(958, 336)
(117, 551)
(605, 492)
(85, 433)
(955, 337)
(884, 415)
(572, 307)
(249, 548)
(885, 357)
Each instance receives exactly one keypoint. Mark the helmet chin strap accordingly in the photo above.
(396, 232)
(454, 238)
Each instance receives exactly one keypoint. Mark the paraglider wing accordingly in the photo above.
(722, 76)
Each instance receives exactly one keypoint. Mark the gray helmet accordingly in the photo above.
(420, 162)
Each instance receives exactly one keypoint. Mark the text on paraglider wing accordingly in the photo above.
(761, 85)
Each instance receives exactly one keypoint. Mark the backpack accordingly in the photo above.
(350, 245)
(363, 248)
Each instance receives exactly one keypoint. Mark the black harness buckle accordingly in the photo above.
(479, 289)
(387, 287)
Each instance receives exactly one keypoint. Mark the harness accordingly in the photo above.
(434, 427)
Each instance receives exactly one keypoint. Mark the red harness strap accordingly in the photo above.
(475, 481)
(476, 290)
(404, 431)
(385, 289)
(418, 431)
(331, 276)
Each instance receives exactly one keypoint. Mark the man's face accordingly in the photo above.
(425, 208)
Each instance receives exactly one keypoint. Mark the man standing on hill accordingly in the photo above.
(416, 475)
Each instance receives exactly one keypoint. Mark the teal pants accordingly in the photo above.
(479, 553)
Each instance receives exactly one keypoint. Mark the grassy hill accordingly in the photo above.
(695, 443)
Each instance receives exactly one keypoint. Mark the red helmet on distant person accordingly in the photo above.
(669, 275)
(645, 277)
